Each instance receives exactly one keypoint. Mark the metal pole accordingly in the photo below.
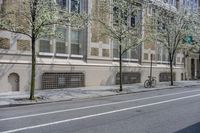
(185, 67)
(151, 71)
(120, 68)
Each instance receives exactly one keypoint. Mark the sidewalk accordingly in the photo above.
(54, 95)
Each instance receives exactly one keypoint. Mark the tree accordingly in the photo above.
(174, 30)
(35, 19)
(121, 20)
(2, 40)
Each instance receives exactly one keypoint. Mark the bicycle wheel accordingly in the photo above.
(153, 83)
(146, 84)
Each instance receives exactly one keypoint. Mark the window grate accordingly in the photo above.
(62, 80)
(129, 77)
(166, 76)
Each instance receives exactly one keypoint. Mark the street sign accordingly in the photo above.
(188, 40)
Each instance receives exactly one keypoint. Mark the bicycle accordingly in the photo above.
(150, 82)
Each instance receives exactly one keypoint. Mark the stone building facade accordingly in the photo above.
(82, 58)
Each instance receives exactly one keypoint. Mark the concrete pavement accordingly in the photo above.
(55, 95)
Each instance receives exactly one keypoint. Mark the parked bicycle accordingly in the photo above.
(151, 82)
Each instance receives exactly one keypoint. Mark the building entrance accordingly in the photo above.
(13, 79)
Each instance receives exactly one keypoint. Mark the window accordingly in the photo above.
(166, 1)
(164, 54)
(1, 4)
(62, 3)
(164, 58)
(125, 55)
(170, 2)
(177, 4)
(75, 43)
(158, 57)
(116, 53)
(133, 22)
(153, 57)
(149, 10)
(190, 5)
(105, 53)
(4, 43)
(115, 19)
(61, 40)
(121, 15)
(76, 50)
(75, 6)
(60, 47)
(61, 34)
(134, 53)
(184, 2)
(194, 5)
(23, 45)
(146, 56)
(159, 52)
(161, 27)
(94, 51)
(183, 60)
(178, 59)
(115, 49)
(75, 36)
(45, 46)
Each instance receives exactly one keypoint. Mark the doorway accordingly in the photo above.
(13, 79)
(192, 69)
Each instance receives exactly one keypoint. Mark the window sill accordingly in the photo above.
(77, 56)
(62, 55)
(126, 59)
(14, 52)
(45, 54)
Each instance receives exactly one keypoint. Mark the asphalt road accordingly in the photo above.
(163, 111)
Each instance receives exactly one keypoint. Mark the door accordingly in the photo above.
(192, 69)
(13, 79)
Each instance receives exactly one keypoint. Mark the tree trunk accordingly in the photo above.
(199, 64)
(33, 70)
(171, 72)
(120, 67)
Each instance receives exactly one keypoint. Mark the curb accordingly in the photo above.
(96, 96)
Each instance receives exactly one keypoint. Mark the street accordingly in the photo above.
(162, 111)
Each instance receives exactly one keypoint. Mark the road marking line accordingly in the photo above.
(99, 114)
(93, 106)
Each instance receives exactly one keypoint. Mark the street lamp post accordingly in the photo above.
(151, 71)
(185, 65)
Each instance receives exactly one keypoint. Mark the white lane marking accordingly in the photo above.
(99, 114)
(93, 106)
